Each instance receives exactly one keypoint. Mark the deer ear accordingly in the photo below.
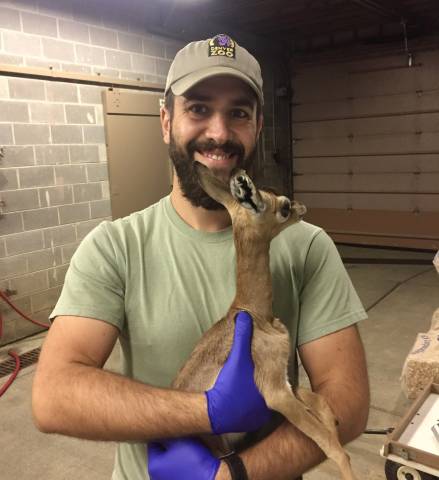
(245, 193)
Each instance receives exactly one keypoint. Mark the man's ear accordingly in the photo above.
(165, 119)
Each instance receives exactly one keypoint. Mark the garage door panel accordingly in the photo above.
(427, 101)
(368, 145)
(409, 163)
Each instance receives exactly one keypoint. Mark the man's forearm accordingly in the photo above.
(91, 403)
(287, 453)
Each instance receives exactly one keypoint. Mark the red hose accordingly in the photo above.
(14, 374)
(6, 299)
(11, 353)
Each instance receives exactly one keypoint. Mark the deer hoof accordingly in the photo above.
(244, 191)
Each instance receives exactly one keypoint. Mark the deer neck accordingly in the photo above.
(253, 278)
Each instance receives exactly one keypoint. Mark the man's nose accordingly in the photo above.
(218, 128)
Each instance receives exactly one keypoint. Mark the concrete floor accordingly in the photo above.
(388, 335)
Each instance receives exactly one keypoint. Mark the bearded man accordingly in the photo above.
(159, 278)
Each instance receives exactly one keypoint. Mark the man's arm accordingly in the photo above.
(73, 395)
(336, 366)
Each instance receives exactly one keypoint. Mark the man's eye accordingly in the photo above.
(198, 109)
(239, 113)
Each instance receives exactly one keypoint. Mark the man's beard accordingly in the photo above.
(184, 164)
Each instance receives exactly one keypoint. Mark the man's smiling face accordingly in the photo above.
(216, 124)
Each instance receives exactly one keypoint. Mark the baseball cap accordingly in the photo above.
(219, 55)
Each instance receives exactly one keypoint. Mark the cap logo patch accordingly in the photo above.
(222, 46)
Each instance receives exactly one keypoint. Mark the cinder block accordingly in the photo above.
(2, 248)
(44, 259)
(8, 179)
(100, 209)
(30, 283)
(18, 157)
(4, 87)
(130, 43)
(162, 67)
(68, 251)
(154, 47)
(59, 236)
(64, 9)
(24, 242)
(52, 196)
(78, 32)
(41, 218)
(47, 113)
(22, 44)
(12, 60)
(84, 153)
(11, 223)
(26, 89)
(144, 64)
(86, 192)
(31, 134)
(83, 228)
(39, 24)
(26, 329)
(66, 134)
(6, 135)
(90, 94)
(12, 319)
(69, 174)
(103, 153)
(58, 50)
(80, 114)
(57, 275)
(41, 176)
(118, 60)
(94, 134)
(105, 190)
(52, 154)
(19, 200)
(14, 112)
(45, 300)
(90, 55)
(13, 266)
(9, 19)
(74, 213)
(103, 37)
(61, 92)
(97, 172)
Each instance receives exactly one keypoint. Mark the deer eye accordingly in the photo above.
(284, 210)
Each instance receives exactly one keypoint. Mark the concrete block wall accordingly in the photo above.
(53, 164)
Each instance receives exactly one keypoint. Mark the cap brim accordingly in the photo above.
(181, 86)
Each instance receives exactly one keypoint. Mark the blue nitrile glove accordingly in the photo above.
(234, 403)
(182, 459)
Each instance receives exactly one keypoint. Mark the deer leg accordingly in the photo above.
(301, 416)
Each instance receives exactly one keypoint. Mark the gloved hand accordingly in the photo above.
(182, 459)
(234, 403)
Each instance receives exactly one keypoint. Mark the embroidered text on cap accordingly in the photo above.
(222, 46)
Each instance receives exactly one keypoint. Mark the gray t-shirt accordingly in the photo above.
(163, 284)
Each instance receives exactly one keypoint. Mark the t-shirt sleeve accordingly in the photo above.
(328, 300)
(93, 286)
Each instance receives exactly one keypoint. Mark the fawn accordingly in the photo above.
(257, 217)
